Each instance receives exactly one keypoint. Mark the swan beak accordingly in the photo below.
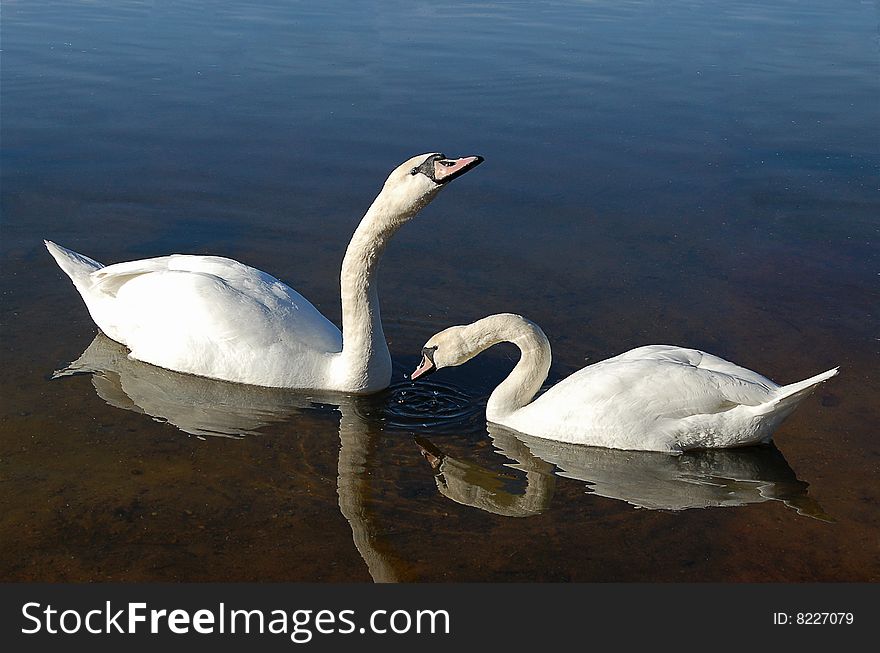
(425, 367)
(448, 169)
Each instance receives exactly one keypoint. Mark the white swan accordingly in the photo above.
(218, 318)
(653, 398)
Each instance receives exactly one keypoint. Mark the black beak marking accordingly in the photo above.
(427, 167)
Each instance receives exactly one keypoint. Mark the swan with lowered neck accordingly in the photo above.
(221, 319)
(652, 398)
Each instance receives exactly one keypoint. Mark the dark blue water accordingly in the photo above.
(700, 173)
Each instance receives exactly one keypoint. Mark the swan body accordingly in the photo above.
(652, 398)
(221, 319)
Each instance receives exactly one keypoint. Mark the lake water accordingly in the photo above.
(696, 173)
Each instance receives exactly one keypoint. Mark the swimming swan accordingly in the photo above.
(652, 398)
(217, 318)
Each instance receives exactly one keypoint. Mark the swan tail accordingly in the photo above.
(76, 266)
(789, 396)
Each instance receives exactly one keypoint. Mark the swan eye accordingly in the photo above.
(427, 167)
(428, 352)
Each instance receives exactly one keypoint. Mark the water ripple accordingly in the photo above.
(430, 404)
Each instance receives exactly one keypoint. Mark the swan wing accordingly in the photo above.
(663, 383)
(215, 317)
(694, 358)
(662, 398)
(641, 399)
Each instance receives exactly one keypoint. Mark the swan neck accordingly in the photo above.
(523, 383)
(365, 358)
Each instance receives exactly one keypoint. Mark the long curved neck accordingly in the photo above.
(521, 385)
(365, 360)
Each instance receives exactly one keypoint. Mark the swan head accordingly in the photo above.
(448, 348)
(414, 183)
(458, 344)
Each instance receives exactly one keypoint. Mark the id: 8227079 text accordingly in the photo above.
(813, 618)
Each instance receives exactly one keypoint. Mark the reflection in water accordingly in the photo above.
(357, 445)
(644, 479)
(193, 404)
(204, 407)
(472, 485)
(201, 406)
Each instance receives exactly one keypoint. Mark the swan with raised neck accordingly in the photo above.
(407, 190)
(652, 398)
(218, 318)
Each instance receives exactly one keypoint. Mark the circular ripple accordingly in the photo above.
(429, 403)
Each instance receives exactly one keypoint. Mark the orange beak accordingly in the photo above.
(448, 169)
(425, 367)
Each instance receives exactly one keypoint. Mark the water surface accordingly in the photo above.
(703, 174)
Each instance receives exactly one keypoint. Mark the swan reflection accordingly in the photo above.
(194, 404)
(206, 407)
(471, 485)
(655, 481)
